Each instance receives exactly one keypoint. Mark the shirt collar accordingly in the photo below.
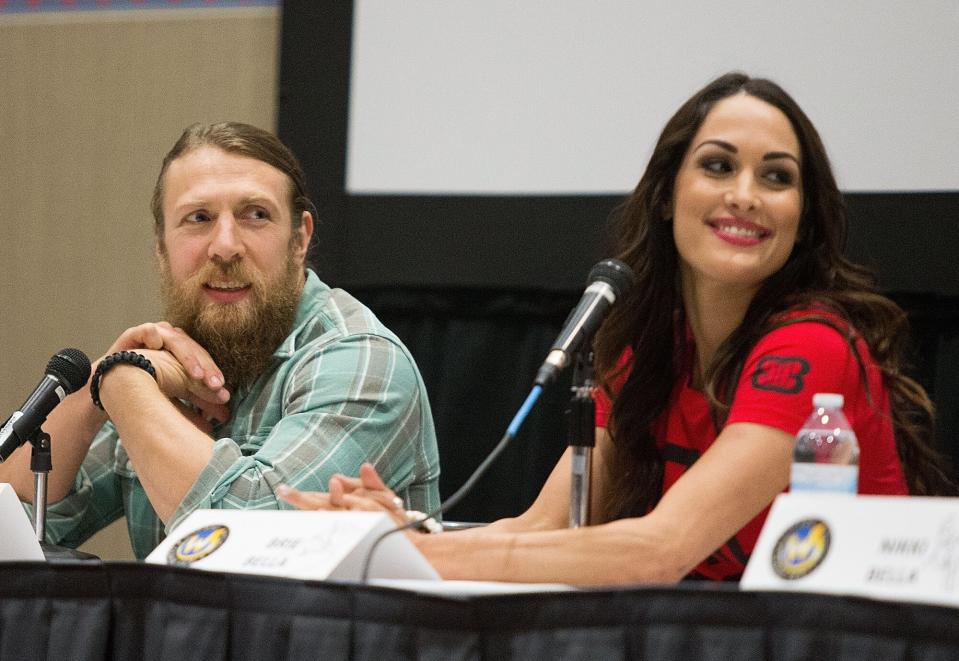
(314, 296)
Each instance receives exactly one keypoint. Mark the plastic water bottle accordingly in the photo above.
(826, 454)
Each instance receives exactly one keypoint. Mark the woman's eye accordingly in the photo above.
(780, 177)
(716, 165)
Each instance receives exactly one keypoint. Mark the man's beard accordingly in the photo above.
(240, 337)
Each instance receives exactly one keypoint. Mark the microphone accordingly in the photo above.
(608, 280)
(66, 372)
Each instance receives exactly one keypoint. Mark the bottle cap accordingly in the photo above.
(827, 400)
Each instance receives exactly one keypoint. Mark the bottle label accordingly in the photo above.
(824, 477)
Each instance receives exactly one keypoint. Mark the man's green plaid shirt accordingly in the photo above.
(342, 390)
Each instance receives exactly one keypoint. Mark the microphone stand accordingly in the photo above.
(41, 462)
(581, 424)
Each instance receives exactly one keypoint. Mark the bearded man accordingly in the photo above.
(260, 376)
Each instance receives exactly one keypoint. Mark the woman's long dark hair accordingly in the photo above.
(650, 319)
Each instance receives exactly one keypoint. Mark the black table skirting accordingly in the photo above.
(132, 611)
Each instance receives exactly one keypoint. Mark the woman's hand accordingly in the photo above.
(366, 493)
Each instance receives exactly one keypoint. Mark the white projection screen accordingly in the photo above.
(494, 97)
(487, 143)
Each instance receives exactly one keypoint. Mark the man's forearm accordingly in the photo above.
(168, 451)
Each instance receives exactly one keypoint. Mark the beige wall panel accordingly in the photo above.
(89, 104)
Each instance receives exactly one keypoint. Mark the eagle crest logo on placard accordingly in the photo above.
(801, 549)
(197, 545)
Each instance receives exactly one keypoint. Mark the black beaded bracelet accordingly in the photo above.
(129, 357)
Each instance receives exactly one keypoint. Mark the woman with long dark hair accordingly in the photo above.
(744, 307)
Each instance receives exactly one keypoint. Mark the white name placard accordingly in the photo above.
(886, 547)
(18, 540)
(293, 544)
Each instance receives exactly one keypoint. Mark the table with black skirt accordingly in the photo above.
(92, 611)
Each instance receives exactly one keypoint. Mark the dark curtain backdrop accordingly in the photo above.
(478, 287)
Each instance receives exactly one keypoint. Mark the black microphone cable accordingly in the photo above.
(467, 486)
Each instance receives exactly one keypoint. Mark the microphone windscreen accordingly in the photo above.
(71, 367)
(612, 271)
